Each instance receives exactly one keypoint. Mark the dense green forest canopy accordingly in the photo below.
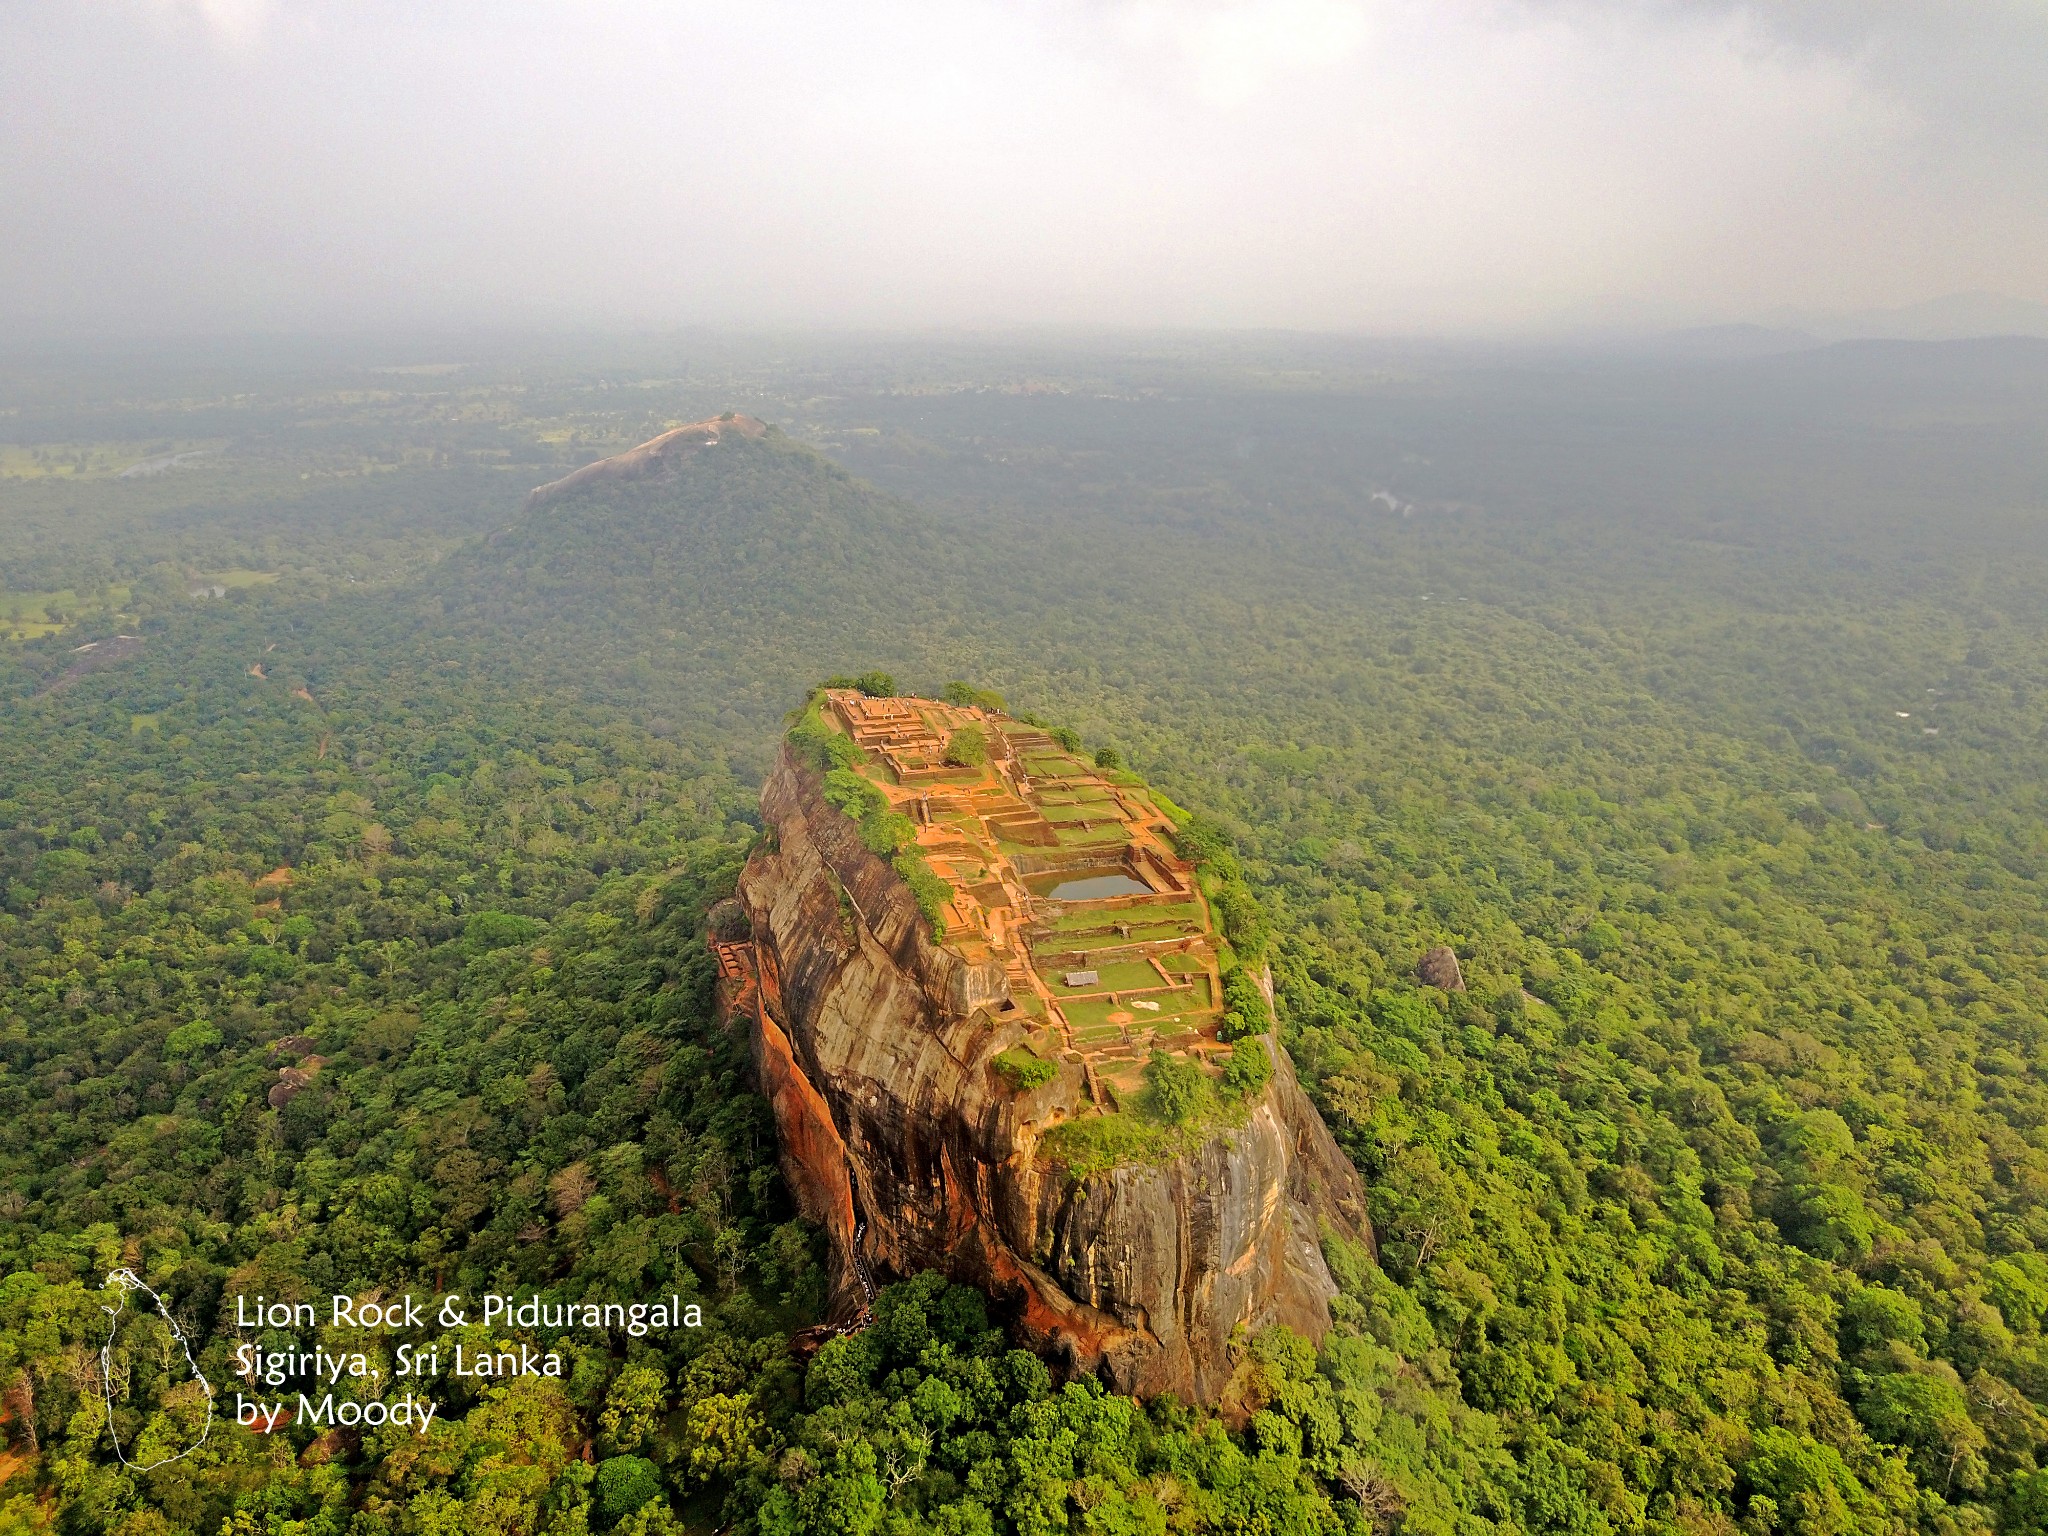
(1697, 705)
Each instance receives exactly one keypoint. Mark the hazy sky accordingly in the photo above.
(1382, 164)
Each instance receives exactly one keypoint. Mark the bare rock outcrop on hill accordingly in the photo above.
(657, 456)
(94, 656)
(875, 1046)
(1439, 968)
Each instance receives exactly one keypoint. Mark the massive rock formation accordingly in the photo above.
(657, 456)
(876, 1047)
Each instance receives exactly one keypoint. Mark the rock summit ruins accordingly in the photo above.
(954, 1033)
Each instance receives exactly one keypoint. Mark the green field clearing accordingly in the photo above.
(233, 579)
(1092, 1014)
(28, 615)
(1172, 1022)
(95, 461)
(1056, 768)
(1024, 1069)
(1092, 810)
(1101, 1142)
(1184, 1004)
(1109, 835)
(1079, 794)
(1123, 975)
(31, 615)
(1051, 952)
(1177, 918)
(1098, 1143)
(1079, 944)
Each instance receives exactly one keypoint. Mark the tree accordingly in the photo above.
(725, 1436)
(1874, 1316)
(1250, 1068)
(1173, 1087)
(967, 694)
(1799, 1486)
(623, 1485)
(1930, 1416)
(967, 747)
(633, 1407)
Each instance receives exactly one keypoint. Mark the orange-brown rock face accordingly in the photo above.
(876, 1047)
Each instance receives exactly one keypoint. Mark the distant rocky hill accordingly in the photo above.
(713, 572)
(658, 456)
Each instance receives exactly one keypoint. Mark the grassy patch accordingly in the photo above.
(1087, 810)
(95, 461)
(30, 615)
(1057, 768)
(930, 891)
(1078, 794)
(817, 741)
(1121, 976)
(237, 577)
(1091, 1013)
(1132, 1137)
(1024, 1069)
(1110, 834)
(1082, 943)
(1180, 1001)
(1098, 1143)
(1177, 918)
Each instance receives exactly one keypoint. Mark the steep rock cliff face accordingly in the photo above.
(876, 1045)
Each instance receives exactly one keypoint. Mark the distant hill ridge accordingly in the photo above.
(726, 559)
(657, 456)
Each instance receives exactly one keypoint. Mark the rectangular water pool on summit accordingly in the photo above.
(1099, 888)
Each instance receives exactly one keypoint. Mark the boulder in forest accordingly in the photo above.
(1439, 968)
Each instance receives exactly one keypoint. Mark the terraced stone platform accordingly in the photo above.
(1061, 872)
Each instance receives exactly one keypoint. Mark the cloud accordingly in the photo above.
(1232, 50)
(234, 24)
(1972, 66)
(1384, 164)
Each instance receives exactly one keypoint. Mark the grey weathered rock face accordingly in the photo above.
(657, 456)
(876, 1048)
(1439, 968)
